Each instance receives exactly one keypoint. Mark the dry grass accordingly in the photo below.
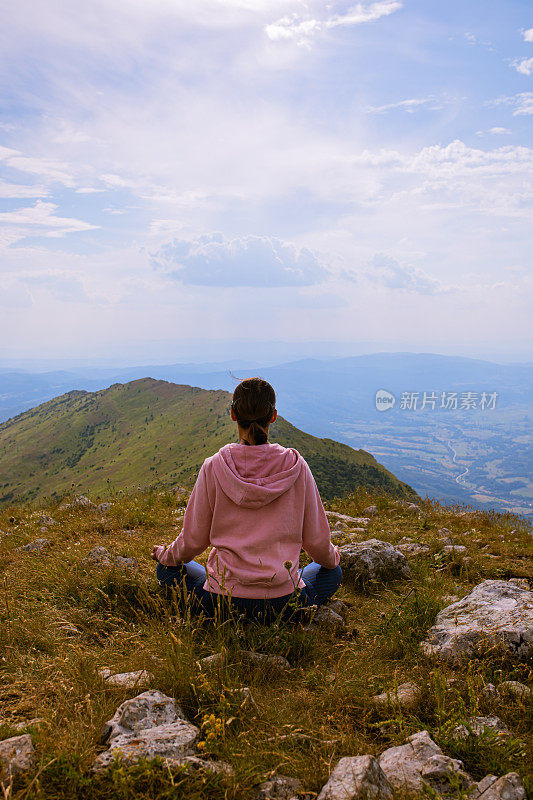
(60, 621)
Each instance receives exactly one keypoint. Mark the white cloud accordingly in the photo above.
(18, 191)
(39, 220)
(390, 273)
(301, 29)
(410, 105)
(522, 103)
(258, 261)
(523, 65)
(528, 35)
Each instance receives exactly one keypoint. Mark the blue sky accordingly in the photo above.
(175, 173)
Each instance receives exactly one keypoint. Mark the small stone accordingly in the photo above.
(36, 722)
(476, 726)
(454, 549)
(100, 556)
(103, 507)
(147, 710)
(278, 787)
(170, 742)
(489, 691)
(347, 519)
(80, 501)
(339, 606)
(357, 777)
(515, 689)
(370, 511)
(405, 696)
(125, 680)
(326, 617)
(37, 546)
(413, 507)
(273, 662)
(373, 561)
(44, 519)
(17, 755)
(411, 548)
(216, 660)
(340, 525)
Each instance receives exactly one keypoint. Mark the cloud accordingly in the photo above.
(63, 286)
(410, 105)
(390, 273)
(523, 65)
(302, 29)
(253, 261)
(522, 103)
(39, 220)
(528, 35)
(18, 191)
(496, 131)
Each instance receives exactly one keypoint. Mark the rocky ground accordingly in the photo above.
(415, 681)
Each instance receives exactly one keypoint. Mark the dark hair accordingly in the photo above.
(254, 402)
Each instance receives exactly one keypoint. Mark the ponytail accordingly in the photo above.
(257, 433)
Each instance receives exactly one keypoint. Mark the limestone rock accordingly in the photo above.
(522, 583)
(475, 726)
(412, 549)
(172, 742)
(273, 662)
(345, 518)
(80, 501)
(100, 556)
(508, 787)
(405, 696)
(357, 778)
(515, 689)
(125, 680)
(454, 549)
(147, 710)
(370, 511)
(326, 617)
(495, 613)
(17, 755)
(420, 764)
(338, 606)
(373, 561)
(279, 787)
(37, 546)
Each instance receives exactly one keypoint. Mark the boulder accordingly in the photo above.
(101, 557)
(17, 755)
(357, 778)
(405, 696)
(373, 561)
(125, 680)
(496, 613)
(419, 766)
(476, 726)
(147, 710)
(37, 546)
(171, 742)
(278, 787)
(508, 787)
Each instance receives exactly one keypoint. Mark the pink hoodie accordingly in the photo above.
(258, 506)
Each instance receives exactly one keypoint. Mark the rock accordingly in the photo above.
(147, 710)
(405, 696)
(216, 660)
(273, 662)
(450, 598)
(515, 689)
(172, 742)
(44, 519)
(37, 546)
(454, 549)
(100, 556)
(125, 680)
(508, 787)
(346, 518)
(178, 490)
(357, 778)
(103, 507)
(522, 583)
(413, 507)
(279, 787)
(475, 726)
(489, 691)
(373, 561)
(36, 722)
(370, 511)
(338, 606)
(326, 617)
(80, 501)
(495, 613)
(17, 755)
(411, 548)
(421, 766)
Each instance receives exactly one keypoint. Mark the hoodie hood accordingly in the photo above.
(254, 475)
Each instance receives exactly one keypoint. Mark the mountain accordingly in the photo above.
(150, 432)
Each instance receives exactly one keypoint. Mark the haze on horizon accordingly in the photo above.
(180, 178)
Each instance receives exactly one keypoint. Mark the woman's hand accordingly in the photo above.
(155, 548)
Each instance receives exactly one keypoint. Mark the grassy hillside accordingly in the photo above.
(151, 433)
(62, 619)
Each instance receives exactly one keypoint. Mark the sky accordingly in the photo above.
(223, 178)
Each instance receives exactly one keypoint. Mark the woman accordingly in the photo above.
(257, 505)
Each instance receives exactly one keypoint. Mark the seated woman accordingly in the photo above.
(257, 505)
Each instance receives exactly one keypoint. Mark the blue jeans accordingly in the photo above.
(320, 585)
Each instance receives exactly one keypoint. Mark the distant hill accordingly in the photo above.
(150, 432)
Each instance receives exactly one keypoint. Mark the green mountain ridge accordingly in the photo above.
(151, 432)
